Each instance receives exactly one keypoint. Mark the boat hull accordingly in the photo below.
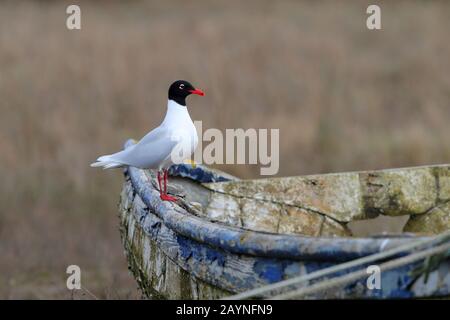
(174, 254)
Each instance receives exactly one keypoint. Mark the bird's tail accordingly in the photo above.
(107, 162)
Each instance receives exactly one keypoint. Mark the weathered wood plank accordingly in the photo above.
(435, 221)
(340, 198)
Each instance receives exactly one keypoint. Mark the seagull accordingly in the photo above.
(172, 142)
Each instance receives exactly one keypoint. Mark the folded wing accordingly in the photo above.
(152, 150)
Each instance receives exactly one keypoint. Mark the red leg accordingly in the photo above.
(166, 179)
(165, 196)
(159, 183)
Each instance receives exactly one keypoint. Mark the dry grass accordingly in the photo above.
(344, 97)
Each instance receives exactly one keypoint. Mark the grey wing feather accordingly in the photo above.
(155, 147)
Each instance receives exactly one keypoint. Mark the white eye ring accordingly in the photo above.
(181, 86)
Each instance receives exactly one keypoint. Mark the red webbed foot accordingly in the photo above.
(166, 197)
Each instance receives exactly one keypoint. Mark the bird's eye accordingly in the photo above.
(181, 86)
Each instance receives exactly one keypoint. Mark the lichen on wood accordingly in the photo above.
(400, 192)
(435, 221)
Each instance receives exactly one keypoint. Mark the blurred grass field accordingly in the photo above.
(344, 98)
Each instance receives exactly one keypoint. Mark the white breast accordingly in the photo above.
(179, 123)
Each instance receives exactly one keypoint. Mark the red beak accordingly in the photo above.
(197, 91)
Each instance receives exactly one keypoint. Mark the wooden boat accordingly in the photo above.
(227, 236)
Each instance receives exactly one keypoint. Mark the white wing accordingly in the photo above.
(149, 153)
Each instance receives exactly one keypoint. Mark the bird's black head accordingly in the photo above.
(180, 89)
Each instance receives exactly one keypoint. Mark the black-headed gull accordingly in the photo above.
(170, 143)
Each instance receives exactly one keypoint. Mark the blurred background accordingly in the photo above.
(344, 98)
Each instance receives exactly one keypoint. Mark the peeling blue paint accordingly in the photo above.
(189, 248)
(214, 255)
(270, 270)
(185, 249)
(198, 173)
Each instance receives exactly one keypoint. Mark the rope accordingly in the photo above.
(347, 265)
(361, 273)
